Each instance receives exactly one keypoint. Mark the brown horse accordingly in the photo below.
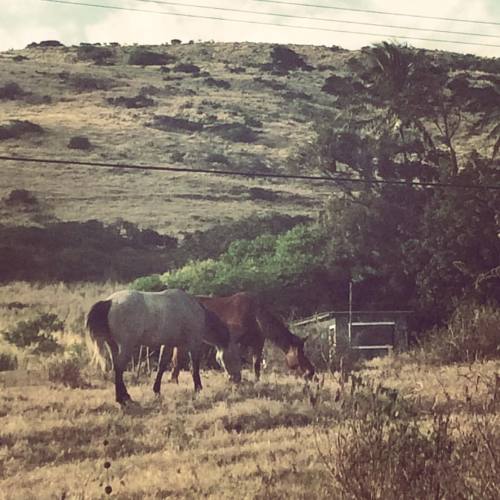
(250, 323)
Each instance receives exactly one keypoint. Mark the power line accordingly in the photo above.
(381, 12)
(309, 18)
(263, 23)
(232, 173)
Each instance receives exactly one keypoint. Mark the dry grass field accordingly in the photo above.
(278, 438)
(270, 439)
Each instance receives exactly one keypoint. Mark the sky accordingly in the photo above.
(26, 21)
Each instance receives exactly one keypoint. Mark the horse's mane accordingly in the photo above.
(275, 329)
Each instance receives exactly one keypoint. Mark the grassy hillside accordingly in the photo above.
(236, 107)
(236, 117)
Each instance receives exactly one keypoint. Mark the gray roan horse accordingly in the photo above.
(130, 318)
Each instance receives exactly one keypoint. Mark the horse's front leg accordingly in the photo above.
(257, 359)
(195, 355)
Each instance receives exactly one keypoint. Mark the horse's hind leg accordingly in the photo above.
(120, 363)
(195, 367)
(162, 366)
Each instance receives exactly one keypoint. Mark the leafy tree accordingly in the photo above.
(457, 241)
(401, 244)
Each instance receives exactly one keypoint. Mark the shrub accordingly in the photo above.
(66, 371)
(264, 263)
(45, 44)
(176, 41)
(139, 101)
(99, 55)
(257, 193)
(177, 156)
(284, 59)
(272, 84)
(236, 69)
(16, 128)
(251, 121)
(338, 85)
(11, 91)
(8, 361)
(472, 333)
(235, 132)
(217, 158)
(21, 197)
(187, 68)
(142, 57)
(151, 283)
(79, 142)
(385, 453)
(222, 84)
(172, 124)
(86, 83)
(37, 333)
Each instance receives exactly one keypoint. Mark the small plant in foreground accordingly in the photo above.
(66, 371)
(384, 453)
(8, 361)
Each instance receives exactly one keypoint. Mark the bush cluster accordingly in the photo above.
(21, 197)
(138, 101)
(143, 57)
(17, 128)
(472, 333)
(174, 124)
(261, 264)
(73, 251)
(66, 371)
(235, 132)
(187, 68)
(36, 334)
(87, 83)
(11, 91)
(97, 54)
(79, 142)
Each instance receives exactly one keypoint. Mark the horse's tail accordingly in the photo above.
(98, 332)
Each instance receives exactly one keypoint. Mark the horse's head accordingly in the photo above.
(297, 360)
(229, 358)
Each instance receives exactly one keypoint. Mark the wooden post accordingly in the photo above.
(349, 324)
(139, 363)
(148, 365)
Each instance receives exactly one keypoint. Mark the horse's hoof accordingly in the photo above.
(129, 403)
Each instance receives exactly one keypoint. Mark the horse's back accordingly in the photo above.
(156, 317)
(238, 312)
